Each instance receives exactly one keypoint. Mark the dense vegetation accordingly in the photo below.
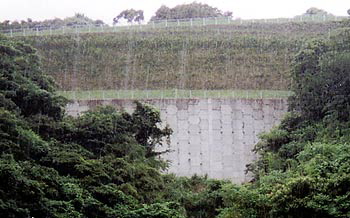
(98, 165)
(78, 19)
(248, 56)
(304, 164)
(130, 15)
(314, 14)
(103, 164)
(187, 11)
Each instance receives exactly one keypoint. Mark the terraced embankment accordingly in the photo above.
(248, 56)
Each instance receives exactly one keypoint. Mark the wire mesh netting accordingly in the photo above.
(174, 58)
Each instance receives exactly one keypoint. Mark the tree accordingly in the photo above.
(96, 165)
(162, 13)
(130, 15)
(78, 19)
(315, 14)
(321, 72)
(348, 11)
(31, 93)
(192, 10)
(315, 11)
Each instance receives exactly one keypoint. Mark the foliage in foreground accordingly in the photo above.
(304, 164)
(101, 164)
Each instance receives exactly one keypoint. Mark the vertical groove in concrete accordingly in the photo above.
(210, 135)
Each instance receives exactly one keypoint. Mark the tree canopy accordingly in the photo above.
(78, 19)
(101, 164)
(313, 11)
(130, 15)
(185, 11)
(322, 78)
(316, 13)
(303, 169)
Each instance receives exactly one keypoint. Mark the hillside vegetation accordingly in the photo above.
(248, 56)
(102, 164)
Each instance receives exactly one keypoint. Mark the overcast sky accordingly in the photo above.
(107, 9)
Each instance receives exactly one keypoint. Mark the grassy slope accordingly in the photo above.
(226, 57)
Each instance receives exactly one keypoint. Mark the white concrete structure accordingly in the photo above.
(211, 136)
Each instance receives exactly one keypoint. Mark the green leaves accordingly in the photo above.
(304, 162)
(146, 121)
(98, 165)
(131, 15)
(23, 84)
(187, 11)
(321, 74)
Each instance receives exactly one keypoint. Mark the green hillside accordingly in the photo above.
(213, 57)
(103, 163)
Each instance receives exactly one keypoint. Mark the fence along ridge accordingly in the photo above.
(188, 22)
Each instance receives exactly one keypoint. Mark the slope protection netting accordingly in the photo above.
(178, 61)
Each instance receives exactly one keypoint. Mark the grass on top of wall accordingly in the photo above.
(174, 93)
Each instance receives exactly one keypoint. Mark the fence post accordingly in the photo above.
(50, 31)
(178, 22)
(153, 24)
(37, 31)
(191, 22)
(203, 21)
(11, 34)
(89, 28)
(216, 21)
(166, 23)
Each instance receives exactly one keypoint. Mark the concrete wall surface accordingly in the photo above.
(211, 136)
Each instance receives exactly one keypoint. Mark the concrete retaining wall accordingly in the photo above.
(211, 136)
